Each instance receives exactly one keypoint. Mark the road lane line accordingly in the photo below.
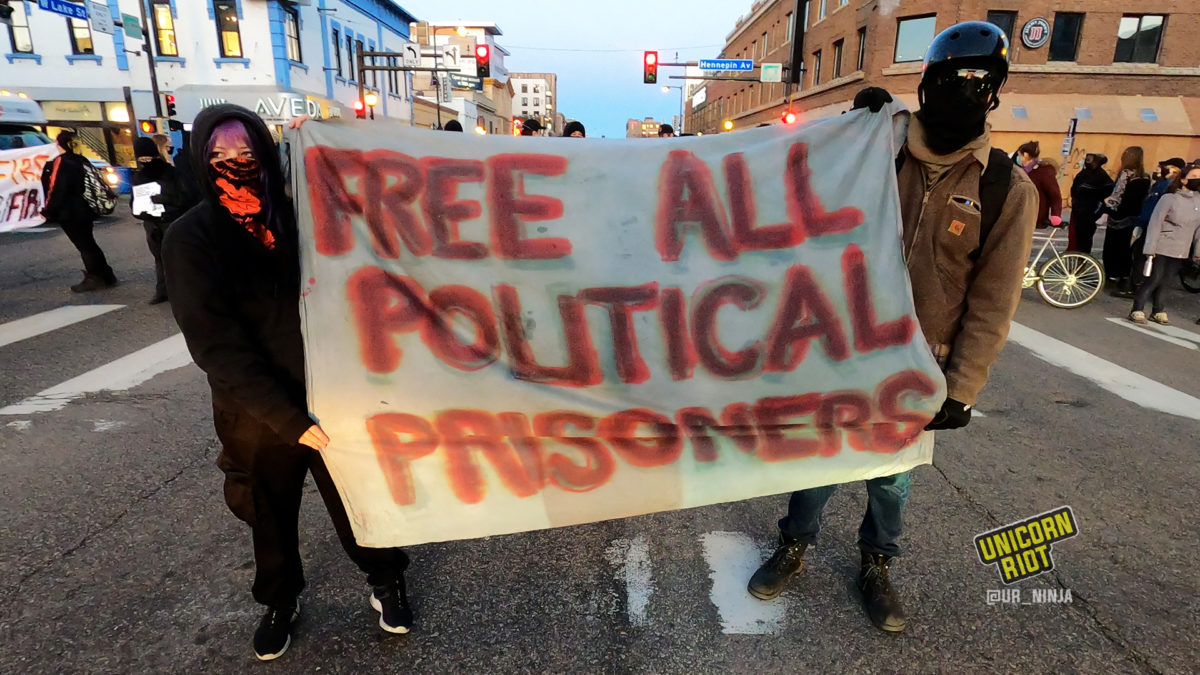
(124, 373)
(1125, 383)
(732, 559)
(1177, 332)
(1125, 323)
(32, 326)
(631, 558)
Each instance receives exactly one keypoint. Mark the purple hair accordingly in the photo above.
(232, 132)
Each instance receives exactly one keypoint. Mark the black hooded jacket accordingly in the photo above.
(237, 302)
(173, 197)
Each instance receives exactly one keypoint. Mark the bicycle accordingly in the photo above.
(1068, 280)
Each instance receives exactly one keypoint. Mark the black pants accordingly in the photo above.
(1085, 233)
(1165, 269)
(264, 481)
(155, 230)
(81, 235)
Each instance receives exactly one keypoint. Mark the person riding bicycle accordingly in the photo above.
(966, 282)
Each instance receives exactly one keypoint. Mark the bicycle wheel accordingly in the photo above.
(1071, 280)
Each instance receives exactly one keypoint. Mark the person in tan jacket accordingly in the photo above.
(966, 243)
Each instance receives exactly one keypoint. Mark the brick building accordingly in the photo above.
(1129, 72)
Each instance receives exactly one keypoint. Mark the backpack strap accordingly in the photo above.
(994, 185)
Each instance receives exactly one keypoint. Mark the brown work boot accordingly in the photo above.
(787, 561)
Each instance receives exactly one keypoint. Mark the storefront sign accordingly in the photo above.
(74, 111)
(1035, 33)
(273, 107)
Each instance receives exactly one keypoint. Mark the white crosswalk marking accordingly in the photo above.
(732, 559)
(1154, 332)
(32, 326)
(124, 373)
(631, 558)
(1125, 383)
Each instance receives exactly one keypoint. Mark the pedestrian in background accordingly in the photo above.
(233, 273)
(1169, 171)
(574, 129)
(172, 200)
(163, 142)
(63, 183)
(1173, 235)
(1121, 210)
(530, 127)
(1092, 185)
(666, 131)
(453, 125)
(1044, 175)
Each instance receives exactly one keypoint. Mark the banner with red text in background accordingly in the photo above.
(506, 334)
(21, 199)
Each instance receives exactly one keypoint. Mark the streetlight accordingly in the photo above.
(480, 130)
(666, 89)
(371, 100)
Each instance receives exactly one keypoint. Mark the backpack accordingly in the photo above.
(100, 198)
(994, 184)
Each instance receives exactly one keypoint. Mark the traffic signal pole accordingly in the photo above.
(796, 67)
(150, 60)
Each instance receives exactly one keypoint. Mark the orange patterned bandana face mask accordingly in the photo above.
(239, 186)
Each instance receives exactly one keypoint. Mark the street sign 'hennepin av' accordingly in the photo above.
(726, 64)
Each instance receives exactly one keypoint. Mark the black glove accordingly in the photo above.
(872, 97)
(953, 415)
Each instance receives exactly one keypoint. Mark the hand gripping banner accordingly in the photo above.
(506, 334)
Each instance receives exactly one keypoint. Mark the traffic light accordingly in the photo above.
(483, 60)
(789, 117)
(169, 105)
(650, 68)
(360, 109)
(148, 127)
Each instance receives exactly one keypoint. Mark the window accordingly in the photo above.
(337, 51)
(862, 47)
(821, 10)
(164, 27)
(524, 113)
(81, 36)
(524, 100)
(816, 77)
(537, 100)
(837, 58)
(393, 77)
(763, 53)
(228, 36)
(791, 27)
(291, 30)
(1138, 38)
(842, 3)
(537, 88)
(524, 89)
(350, 55)
(1064, 40)
(1005, 21)
(913, 36)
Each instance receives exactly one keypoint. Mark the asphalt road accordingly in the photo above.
(117, 554)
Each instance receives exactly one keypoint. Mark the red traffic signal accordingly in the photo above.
(169, 107)
(650, 68)
(148, 127)
(483, 60)
(360, 109)
(789, 117)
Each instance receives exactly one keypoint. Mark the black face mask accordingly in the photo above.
(954, 109)
(1192, 184)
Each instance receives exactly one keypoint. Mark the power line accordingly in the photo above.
(606, 51)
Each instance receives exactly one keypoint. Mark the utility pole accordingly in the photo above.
(796, 68)
(150, 60)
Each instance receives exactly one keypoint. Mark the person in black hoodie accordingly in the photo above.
(63, 184)
(233, 275)
(1092, 185)
(152, 168)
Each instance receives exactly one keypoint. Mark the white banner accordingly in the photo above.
(21, 198)
(505, 334)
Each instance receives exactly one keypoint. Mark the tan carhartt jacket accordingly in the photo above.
(964, 305)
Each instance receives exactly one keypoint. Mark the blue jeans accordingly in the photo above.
(881, 526)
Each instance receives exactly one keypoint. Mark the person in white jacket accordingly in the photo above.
(1173, 235)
